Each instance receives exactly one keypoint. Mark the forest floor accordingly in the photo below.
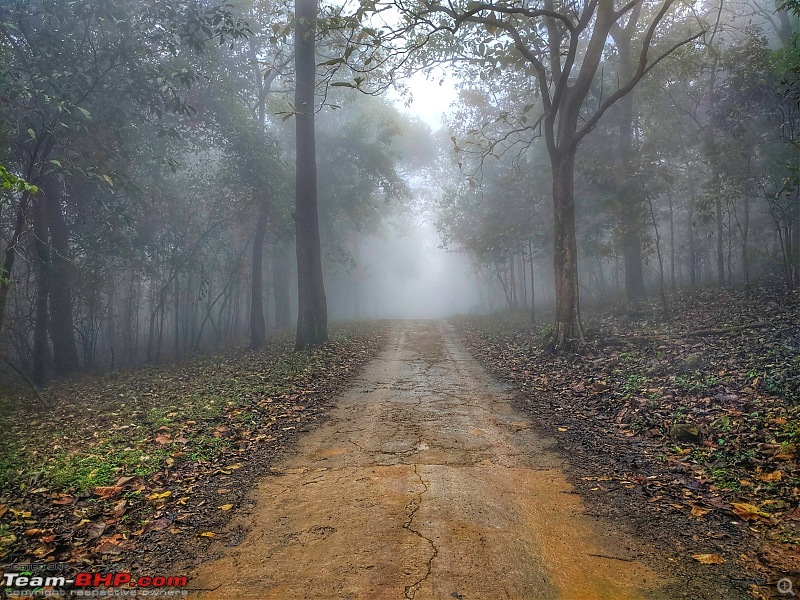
(686, 428)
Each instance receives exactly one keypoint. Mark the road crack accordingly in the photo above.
(413, 506)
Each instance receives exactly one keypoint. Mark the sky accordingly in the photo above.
(431, 99)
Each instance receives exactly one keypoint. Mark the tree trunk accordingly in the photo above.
(631, 218)
(258, 326)
(41, 347)
(720, 249)
(690, 233)
(177, 316)
(312, 312)
(280, 287)
(62, 330)
(671, 242)
(533, 286)
(795, 245)
(11, 254)
(568, 329)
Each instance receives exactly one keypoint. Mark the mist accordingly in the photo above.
(405, 274)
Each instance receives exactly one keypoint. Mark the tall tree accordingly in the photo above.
(561, 46)
(312, 310)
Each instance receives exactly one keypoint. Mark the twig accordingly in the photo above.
(613, 557)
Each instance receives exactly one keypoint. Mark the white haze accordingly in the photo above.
(405, 274)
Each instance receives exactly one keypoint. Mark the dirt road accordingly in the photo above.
(425, 483)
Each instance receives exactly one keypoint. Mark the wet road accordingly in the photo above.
(425, 483)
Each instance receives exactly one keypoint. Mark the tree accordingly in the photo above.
(312, 310)
(561, 46)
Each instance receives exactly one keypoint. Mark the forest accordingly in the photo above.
(218, 216)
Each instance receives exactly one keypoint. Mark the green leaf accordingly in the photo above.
(85, 112)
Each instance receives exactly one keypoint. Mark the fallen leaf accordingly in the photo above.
(562, 429)
(767, 477)
(226, 507)
(34, 532)
(161, 523)
(708, 559)
(747, 512)
(208, 534)
(106, 492)
(96, 529)
(697, 511)
(119, 508)
(43, 551)
(156, 497)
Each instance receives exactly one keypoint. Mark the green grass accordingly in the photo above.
(81, 472)
(206, 447)
(635, 383)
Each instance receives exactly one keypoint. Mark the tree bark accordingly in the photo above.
(62, 329)
(312, 312)
(41, 346)
(533, 285)
(280, 287)
(568, 329)
(11, 254)
(258, 325)
(631, 218)
(720, 248)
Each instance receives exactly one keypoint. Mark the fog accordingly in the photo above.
(405, 274)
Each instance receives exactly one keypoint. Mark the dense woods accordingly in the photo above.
(158, 138)
(594, 152)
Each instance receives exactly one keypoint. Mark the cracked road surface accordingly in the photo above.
(425, 483)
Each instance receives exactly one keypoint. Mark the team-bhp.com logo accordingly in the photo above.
(44, 581)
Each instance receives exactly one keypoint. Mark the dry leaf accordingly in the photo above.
(767, 477)
(208, 534)
(161, 523)
(226, 507)
(156, 497)
(96, 529)
(747, 512)
(708, 559)
(106, 492)
(697, 511)
(119, 508)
